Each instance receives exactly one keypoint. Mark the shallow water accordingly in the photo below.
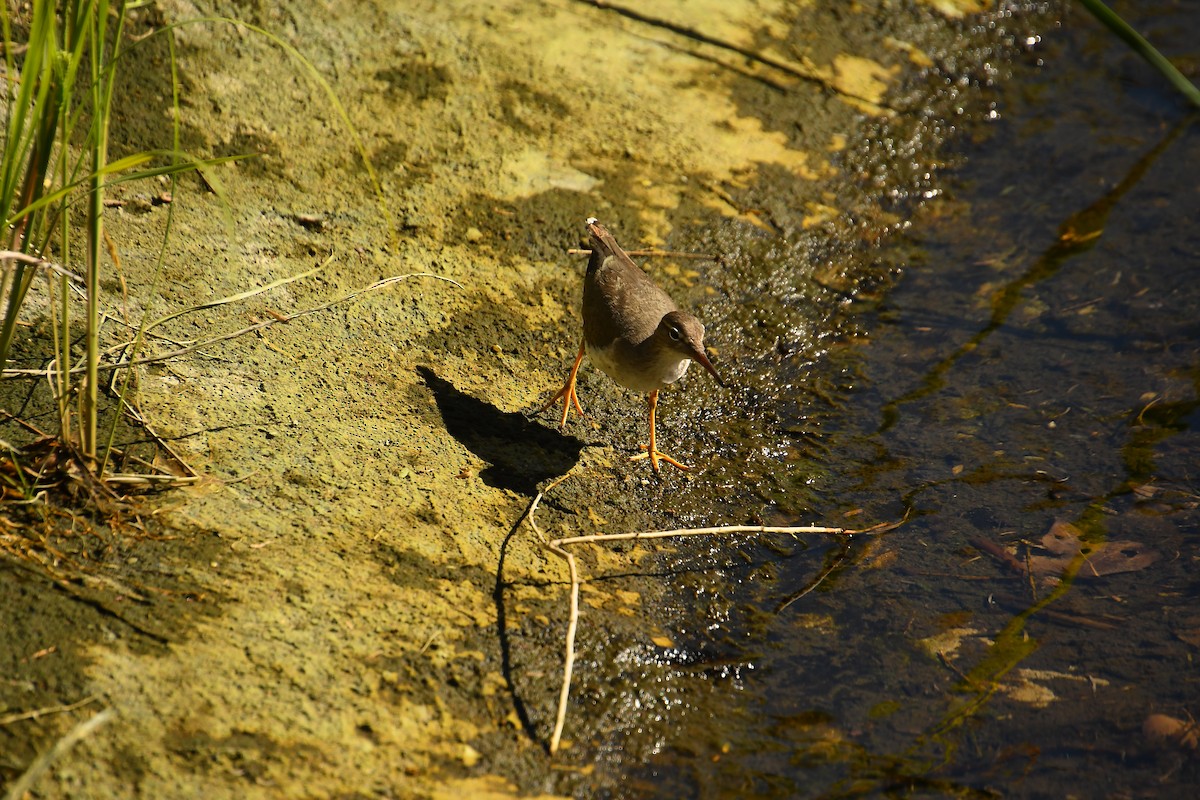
(1035, 367)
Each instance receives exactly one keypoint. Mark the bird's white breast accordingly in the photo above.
(669, 368)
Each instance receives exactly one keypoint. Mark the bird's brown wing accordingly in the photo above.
(619, 300)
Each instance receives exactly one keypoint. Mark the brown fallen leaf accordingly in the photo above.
(1116, 557)
(1065, 541)
(1161, 729)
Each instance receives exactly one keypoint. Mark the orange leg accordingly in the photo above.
(652, 452)
(567, 393)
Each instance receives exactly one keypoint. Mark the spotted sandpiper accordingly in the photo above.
(633, 332)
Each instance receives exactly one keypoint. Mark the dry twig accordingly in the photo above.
(558, 547)
(24, 784)
(804, 72)
(9, 719)
(11, 373)
(15, 255)
(579, 251)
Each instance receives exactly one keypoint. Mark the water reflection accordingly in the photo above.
(1034, 379)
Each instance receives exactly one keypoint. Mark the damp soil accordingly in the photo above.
(349, 604)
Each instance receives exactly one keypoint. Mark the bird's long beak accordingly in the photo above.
(699, 356)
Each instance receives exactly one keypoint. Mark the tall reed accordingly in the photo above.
(57, 106)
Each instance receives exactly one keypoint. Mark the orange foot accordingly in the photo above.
(655, 456)
(567, 393)
(652, 452)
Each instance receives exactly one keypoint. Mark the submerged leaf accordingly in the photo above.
(1065, 542)
(1116, 557)
(1063, 539)
(1161, 729)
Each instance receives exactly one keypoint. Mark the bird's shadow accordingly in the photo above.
(520, 453)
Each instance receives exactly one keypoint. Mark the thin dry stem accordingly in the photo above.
(134, 479)
(233, 298)
(619, 537)
(578, 251)
(564, 692)
(803, 71)
(37, 713)
(572, 619)
(24, 784)
(6, 255)
(136, 413)
(557, 547)
(12, 373)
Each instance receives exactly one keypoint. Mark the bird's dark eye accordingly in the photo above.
(675, 334)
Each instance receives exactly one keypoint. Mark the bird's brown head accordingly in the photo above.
(684, 334)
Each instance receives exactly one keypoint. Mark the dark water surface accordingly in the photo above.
(1029, 392)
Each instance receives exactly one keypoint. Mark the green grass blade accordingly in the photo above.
(325, 87)
(112, 170)
(1143, 48)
